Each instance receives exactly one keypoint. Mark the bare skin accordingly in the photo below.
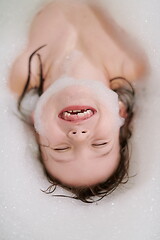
(81, 43)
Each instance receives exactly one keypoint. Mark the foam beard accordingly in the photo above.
(104, 94)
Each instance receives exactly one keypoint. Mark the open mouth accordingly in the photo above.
(77, 113)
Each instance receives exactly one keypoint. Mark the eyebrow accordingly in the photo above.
(68, 161)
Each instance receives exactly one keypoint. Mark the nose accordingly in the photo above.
(78, 134)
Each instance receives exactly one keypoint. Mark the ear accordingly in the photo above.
(122, 110)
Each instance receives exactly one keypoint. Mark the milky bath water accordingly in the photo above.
(132, 211)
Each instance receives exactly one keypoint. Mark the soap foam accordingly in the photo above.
(106, 96)
(132, 211)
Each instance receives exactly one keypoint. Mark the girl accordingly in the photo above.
(81, 66)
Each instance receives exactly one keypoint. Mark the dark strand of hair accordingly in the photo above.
(29, 77)
(40, 89)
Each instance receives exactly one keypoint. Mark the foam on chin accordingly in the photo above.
(105, 95)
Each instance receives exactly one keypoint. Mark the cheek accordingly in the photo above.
(54, 135)
(107, 123)
(44, 117)
(108, 129)
(111, 121)
(47, 124)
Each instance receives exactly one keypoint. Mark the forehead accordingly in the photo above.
(85, 169)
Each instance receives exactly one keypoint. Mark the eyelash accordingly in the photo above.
(61, 149)
(94, 145)
(100, 144)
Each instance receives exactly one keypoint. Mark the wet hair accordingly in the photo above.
(87, 194)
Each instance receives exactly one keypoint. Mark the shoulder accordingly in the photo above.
(20, 71)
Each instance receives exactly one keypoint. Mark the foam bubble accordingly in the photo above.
(105, 95)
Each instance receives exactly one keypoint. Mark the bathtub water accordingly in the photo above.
(132, 211)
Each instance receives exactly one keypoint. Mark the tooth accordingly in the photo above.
(67, 114)
(64, 115)
(70, 111)
(75, 111)
(89, 112)
(80, 114)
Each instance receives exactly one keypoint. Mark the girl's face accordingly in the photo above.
(79, 148)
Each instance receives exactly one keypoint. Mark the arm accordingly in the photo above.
(124, 57)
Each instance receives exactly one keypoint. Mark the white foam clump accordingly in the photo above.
(103, 93)
(28, 103)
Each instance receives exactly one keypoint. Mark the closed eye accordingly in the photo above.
(61, 149)
(99, 144)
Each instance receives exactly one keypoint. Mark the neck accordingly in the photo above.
(78, 65)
